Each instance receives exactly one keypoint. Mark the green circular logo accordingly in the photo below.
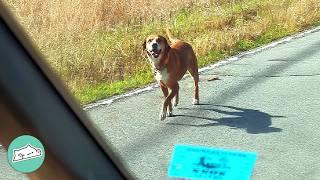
(26, 154)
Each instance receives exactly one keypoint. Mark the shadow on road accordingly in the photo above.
(267, 76)
(253, 121)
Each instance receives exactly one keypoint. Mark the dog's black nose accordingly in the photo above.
(154, 46)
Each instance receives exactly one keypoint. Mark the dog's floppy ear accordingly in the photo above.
(165, 41)
(143, 48)
(144, 45)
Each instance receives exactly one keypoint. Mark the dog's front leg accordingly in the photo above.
(165, 92)
(163, 112)
(167, 105)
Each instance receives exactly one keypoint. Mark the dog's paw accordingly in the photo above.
(195, 101)
(175, 103)
(169, 114)
(163, 115)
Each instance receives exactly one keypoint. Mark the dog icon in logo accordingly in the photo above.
(25, 153)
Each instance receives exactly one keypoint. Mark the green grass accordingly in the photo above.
(98, 60)
(102, 90)
(272, 34)
(187, 25)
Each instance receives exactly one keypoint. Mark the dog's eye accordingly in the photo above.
(149, 40)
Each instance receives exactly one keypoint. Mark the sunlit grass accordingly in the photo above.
(96, 45)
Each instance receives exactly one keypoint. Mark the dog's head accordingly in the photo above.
(156, 47)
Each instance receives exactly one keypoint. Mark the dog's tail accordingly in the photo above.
(171, 38)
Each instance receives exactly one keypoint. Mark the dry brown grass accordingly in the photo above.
(91, 42)
(84, 15)
(65, 32)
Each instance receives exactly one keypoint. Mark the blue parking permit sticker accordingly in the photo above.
(196, 162)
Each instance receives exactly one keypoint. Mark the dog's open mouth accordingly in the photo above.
(155, 53)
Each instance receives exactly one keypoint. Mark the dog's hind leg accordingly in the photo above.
(176, 98)
(195, 75)
(196, 90)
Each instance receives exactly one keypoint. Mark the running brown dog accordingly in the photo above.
(170, 63)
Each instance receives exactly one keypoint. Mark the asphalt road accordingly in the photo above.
(267, 103)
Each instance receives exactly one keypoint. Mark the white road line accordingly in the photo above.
(209, 67)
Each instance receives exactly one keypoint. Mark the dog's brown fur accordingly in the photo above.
(177, 59)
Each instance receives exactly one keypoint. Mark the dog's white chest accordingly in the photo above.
(162, 75)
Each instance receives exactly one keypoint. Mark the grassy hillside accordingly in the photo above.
(95, 45)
